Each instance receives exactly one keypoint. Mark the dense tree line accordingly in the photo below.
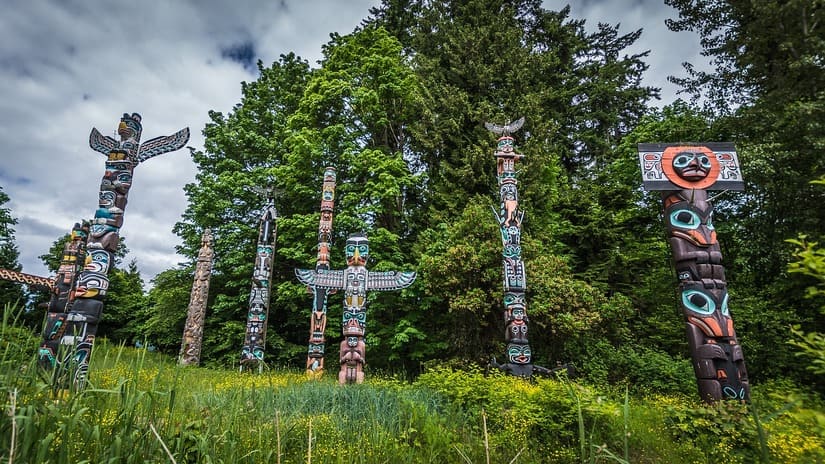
(397, 107)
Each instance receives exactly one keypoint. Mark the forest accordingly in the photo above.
(398, 107)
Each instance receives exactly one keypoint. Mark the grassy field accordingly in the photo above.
(141, 407)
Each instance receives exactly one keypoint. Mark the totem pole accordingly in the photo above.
(190, 350)
(63, 294)
(356, 281)
(684, 174)
(509, 219)
(252, 354)
(318, 319)
(104, 234)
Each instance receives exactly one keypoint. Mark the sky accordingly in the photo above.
(67, 66)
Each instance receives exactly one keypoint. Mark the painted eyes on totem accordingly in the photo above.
(682, 160)
(725, 310)
(360, 317)
(698, 302)
(685, 219)
(516, 351)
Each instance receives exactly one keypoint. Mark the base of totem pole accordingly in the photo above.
(528, 371)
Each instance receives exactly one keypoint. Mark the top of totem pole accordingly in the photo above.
(507, 129)
(677, 166)
(506, 144)
(206, 238)
(129, 147)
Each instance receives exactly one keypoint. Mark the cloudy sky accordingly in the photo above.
(69, 65)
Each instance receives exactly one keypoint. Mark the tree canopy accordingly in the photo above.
(398, 107)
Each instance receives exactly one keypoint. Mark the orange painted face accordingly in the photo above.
(690, 167)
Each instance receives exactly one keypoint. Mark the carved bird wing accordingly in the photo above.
(391, 280)
(101, 143)
(506, 129)
(333, 280)
(163, 144)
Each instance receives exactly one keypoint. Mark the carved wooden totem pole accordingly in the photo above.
(356, 281)
(252, 353)
(104, 233)
(63, 294)
(190, 350)
(509, 218)
(318, 319)
(684, 174)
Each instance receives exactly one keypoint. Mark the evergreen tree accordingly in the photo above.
(768, 87)
(11, 293)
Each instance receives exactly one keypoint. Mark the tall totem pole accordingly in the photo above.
(190, 350)
(252, 353)
(63, 294)
(356, 281)
(104, 233)
(509, 218)
(318, 319)
(684, 174)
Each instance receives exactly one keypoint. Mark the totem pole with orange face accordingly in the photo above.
(685, 174)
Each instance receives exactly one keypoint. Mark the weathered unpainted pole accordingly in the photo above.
(684, 173)
(190, 350)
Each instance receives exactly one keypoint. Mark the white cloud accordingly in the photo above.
(67, 66)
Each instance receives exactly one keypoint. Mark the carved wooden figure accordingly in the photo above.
(63, 294)
(190, 350)
(104, 233)
(509, 218)
(318, 319)
(684, 174)
(252, 353)
(355, 281)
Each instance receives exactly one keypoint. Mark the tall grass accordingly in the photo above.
(141, 407)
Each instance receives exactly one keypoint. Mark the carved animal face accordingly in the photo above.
(358, 250)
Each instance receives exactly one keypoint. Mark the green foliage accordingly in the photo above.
(143, 407)
(810, 261)
(162, 320)
(121, 319)
(772, 105)
(11, 293)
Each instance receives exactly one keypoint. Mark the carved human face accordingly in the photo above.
(691, 166)
(519, 354)
(354, 323)
(505, 144)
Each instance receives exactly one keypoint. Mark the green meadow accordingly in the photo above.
(141, 407)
